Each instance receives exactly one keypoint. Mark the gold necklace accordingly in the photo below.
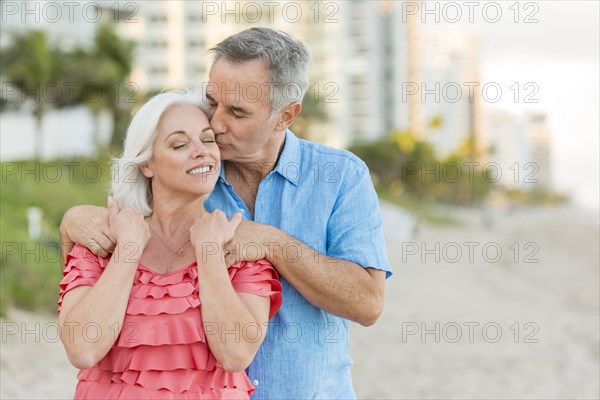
(179, 252)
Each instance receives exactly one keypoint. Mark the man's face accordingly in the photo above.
(241, 113)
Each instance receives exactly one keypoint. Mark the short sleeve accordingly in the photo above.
(355, 229)
(82, 268)
(259, 278)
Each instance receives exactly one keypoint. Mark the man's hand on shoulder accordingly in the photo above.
(87, 226)
(252, 241)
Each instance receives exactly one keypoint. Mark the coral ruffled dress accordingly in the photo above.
(162, 351)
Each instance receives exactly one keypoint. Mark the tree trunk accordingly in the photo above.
(38, 135)
(118, 128)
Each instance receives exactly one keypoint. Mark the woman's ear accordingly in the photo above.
(146, 170)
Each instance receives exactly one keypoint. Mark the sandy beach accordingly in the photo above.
(504, 306)
(551, 292)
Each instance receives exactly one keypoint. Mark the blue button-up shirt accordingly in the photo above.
(325, 198)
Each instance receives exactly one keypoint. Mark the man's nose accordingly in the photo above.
(217, 121)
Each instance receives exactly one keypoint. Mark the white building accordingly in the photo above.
(403, 111)
(68, 24)
(450, 90)
(521, 148)
(540, 145)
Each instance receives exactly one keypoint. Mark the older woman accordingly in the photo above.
(163, 317)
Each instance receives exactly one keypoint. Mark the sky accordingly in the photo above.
(559, 53)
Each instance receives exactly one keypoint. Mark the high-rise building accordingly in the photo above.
(521, 149)
(363, 69)
(509, 147)
(540, 145)
(401, 55)
(170, 43)
(450, 90)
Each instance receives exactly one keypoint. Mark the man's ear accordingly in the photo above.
(287, 116)
(146, 170)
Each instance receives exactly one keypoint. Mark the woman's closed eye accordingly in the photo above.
(178, 145)
(207, 136)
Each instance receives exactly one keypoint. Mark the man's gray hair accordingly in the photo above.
(286, 59)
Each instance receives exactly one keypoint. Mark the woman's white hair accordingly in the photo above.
(129, 186)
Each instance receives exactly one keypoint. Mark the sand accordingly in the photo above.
(553, 352)
(474, 324)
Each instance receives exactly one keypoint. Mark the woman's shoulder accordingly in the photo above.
(253, 270)
(82, 255)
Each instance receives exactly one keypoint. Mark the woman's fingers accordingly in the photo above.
(113, 210)
(235, 220)
(215, 227)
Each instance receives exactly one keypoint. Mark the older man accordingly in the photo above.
(309, 209)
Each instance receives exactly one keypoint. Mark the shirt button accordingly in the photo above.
(255, 382)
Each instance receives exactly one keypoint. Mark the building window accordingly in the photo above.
(157, 44)
(157, 70)
(158, 18)
(197, 70)
(196, 43)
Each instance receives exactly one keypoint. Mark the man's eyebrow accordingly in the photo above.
(208, 128)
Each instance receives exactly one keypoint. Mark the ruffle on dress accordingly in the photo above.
(259, 278)
(162, 351)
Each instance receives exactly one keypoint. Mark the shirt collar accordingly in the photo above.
(222, 174)
(288, 165)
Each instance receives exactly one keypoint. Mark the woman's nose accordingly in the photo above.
(199, 149)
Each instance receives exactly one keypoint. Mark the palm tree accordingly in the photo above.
(28, 64)
(100, 72)
(112, 59)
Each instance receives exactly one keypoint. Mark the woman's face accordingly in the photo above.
(185, 158)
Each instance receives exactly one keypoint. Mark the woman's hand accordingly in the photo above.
(212, 230)
(127, 226)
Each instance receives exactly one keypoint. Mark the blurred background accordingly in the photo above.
(479, 123)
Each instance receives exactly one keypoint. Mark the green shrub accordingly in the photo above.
(31, 270)
(402, 165)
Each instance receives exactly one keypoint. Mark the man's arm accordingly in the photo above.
(340, 287)
(347, 277)
(87, 226)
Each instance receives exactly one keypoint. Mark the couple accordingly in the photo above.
(176, 322)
